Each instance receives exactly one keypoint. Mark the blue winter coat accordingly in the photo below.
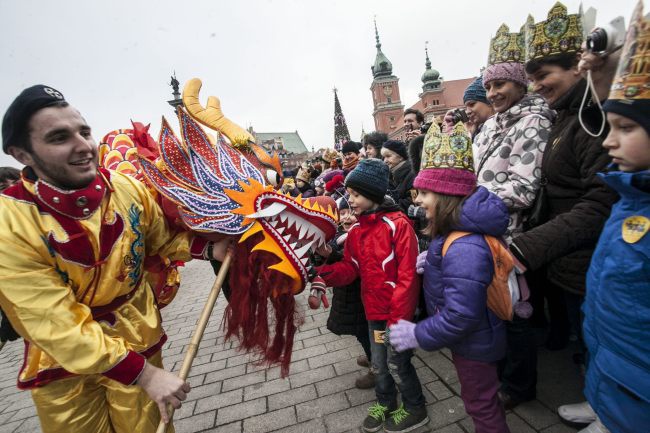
(617, 312)
(455, 287)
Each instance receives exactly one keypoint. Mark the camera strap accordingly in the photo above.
(594, 96)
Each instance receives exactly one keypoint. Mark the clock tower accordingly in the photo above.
(388, 109)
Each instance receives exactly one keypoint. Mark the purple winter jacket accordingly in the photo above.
(455, 287)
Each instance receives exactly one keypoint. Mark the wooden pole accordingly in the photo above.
(198, 332)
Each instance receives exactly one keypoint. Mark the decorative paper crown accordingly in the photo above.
(452, 150)
(506, 47)
(632, 79)
(329, 155)
(561, 33)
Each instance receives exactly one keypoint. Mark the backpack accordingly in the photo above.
(499, 298)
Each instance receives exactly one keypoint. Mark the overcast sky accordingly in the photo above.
(273, 64)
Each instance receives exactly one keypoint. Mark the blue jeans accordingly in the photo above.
(393, 369)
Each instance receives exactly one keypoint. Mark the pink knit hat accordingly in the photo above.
(448, 181)
(447, 166)
(511, 71)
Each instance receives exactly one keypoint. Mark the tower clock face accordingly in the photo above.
(388, 90)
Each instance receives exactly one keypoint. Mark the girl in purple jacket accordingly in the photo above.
(455, 286)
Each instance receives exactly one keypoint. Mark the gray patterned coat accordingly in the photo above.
(508, 155)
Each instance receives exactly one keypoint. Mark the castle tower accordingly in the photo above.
(432, 96)
(388, 109)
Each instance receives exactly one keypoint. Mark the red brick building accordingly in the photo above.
(437, 97)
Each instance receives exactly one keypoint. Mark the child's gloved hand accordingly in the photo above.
(402, 336)
(420, 261)
(317, 293)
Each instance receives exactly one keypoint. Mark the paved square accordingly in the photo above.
(231, 394)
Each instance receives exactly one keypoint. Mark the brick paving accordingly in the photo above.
(231, 394)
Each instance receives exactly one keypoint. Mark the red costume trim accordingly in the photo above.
(128, 369)
(46, 376)
(77, 204)
(197, 248)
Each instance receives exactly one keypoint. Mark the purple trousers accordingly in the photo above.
(478, 389)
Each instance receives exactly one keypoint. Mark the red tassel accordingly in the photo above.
(247, 314)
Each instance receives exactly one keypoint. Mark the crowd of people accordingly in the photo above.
(542, 181)
(519, 196)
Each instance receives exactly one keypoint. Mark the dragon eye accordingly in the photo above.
(273, 177)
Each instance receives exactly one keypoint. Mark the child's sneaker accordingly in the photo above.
(402, 421)
(376, 417)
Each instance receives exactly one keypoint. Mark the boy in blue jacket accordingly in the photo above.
(617, 305)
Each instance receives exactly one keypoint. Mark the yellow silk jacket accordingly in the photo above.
(71, 266)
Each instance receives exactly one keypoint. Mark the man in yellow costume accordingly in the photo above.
(74, 239)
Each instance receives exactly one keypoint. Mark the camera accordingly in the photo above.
(425, 127)
(459, 115)
(607, 39)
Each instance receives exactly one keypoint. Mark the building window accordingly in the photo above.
(392, 118)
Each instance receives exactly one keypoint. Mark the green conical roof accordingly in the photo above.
(431, 77)
(382, 67)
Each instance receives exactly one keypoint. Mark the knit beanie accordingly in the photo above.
(447, 166)
(635, 109)
(370, 179)
(448, 181)
(398, 147)
(510, 71)
(475, 92)
(350, 146)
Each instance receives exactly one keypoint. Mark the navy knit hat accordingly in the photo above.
(476, 92)
(351, 146)
(398, 147)
(17, 116)
(343, 203)
(635, 109)
(370, 179)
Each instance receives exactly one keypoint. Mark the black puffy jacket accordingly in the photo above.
(577, 201)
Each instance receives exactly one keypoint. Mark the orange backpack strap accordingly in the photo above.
(451, 238)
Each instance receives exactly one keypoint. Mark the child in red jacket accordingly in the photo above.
(381, 250)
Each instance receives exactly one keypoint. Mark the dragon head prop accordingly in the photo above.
(229, 186)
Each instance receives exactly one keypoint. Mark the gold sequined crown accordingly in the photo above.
(453, 150)
(506, 47)
(632, 80)
(560, 33)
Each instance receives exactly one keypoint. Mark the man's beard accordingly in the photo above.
(57, 176)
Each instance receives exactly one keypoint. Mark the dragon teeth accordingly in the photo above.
(280, 230)
(293, 246)
(301, 252)
(304, 261)
(303, 230)
(287, 238)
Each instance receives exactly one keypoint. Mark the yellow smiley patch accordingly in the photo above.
(634, 228)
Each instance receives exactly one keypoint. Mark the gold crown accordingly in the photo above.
(453, 150)
(632, 80)
(506, 47)
(560, 33)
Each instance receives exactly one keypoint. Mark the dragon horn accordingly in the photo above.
(212, 116)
